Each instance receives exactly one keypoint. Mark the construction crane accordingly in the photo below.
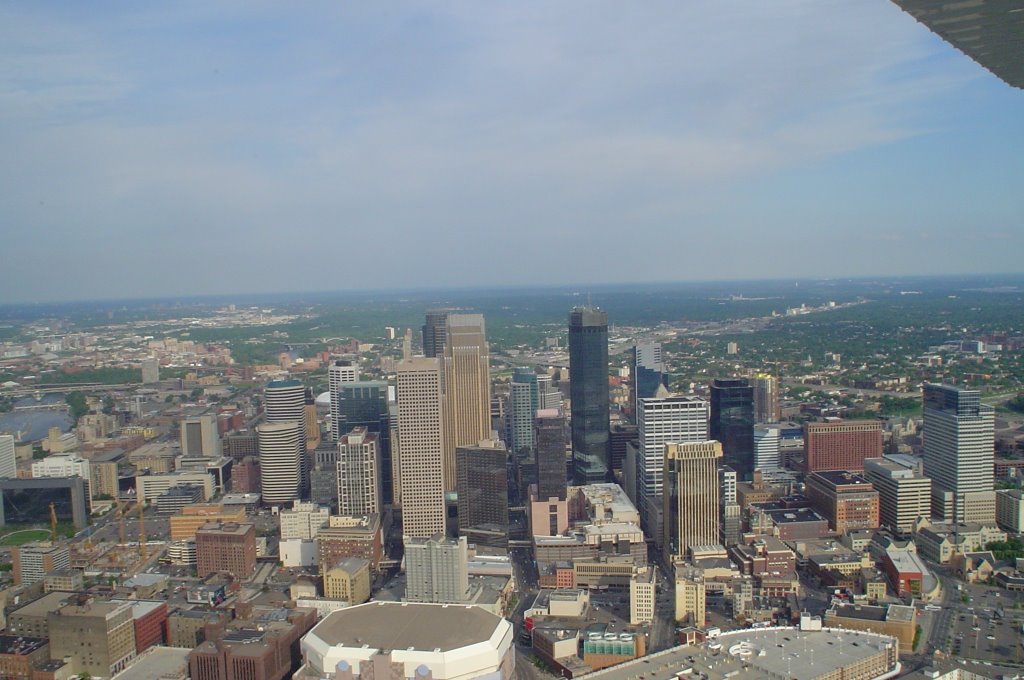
(53, 523)
(142, 531)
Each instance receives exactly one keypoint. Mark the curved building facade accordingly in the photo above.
(281, 446)
(410, 640)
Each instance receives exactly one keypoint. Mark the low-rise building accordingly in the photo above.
(349, 580)
(896, 620)
(939, 542)
(99, 636)
(393, 639)
(20, 655)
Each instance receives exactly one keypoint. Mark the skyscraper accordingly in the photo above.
(284, 401)
(482, 485)
(648, 372)
(434, 332)
(662, 420)
(551, 439)
(281, 446)
(524, 400)
(588, 390)
(365, 403)
(421, 446)
(339, 372)
(959, 453)
(767, 408)
(8, 459)
(766, 448)
(732, 423)
(358, 479)
(466, 374)
(200, 438)
(691, 497)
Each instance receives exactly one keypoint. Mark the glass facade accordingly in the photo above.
(588, 389)
(732, 423)
(365, 403)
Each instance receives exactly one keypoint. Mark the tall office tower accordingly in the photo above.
(524, 400)
(766, 448)
(662, 420)
(551, 440)
(731, 514)
(284, 401)
(482, 485)
(588, 390)
(407, 345)
(548, 395)
(365, 403)
(310, 424)
(732, 423)
(323, 477)
(358, 478)
(421, 446)
(466, 375)
(150, 371)
(8, 458)
(691, 497)
(841, 445)
(339, 372)
(959, 453)
(434, 332)
(437, 570)
(621, 435)
(281, 465)
(648, 372)
(200, 438)
(767, 408)
(905, 494)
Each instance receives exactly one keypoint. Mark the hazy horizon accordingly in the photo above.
(156, 151)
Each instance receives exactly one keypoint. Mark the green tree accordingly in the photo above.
(77, 404)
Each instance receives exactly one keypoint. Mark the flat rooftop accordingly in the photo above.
(401, 625)
(15, 644)
(50, 602)
(157, 662)
(753, 654)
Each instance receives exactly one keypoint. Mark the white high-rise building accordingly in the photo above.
(959, 454)
(664, 420)
(8, 457)
(337, 373)
(437, 569)
(358, 477)
(766, 448)
(284, 401)
(281, 448)
(421, 446)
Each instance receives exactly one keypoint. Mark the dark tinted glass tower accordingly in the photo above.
(365, 403)
(550, 435)
(732, 423)
(434, 332)
(588, 389)
(482, 485)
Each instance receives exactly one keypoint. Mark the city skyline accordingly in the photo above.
(210, 144)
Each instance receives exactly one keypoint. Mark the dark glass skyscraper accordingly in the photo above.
(732, 423)
(435, 332)
(550, 435)
(588, 389)
(365, 403)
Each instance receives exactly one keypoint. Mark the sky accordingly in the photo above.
(152, 149)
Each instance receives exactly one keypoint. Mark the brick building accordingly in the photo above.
(229, 547)
(847, 500)
(841, 445)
